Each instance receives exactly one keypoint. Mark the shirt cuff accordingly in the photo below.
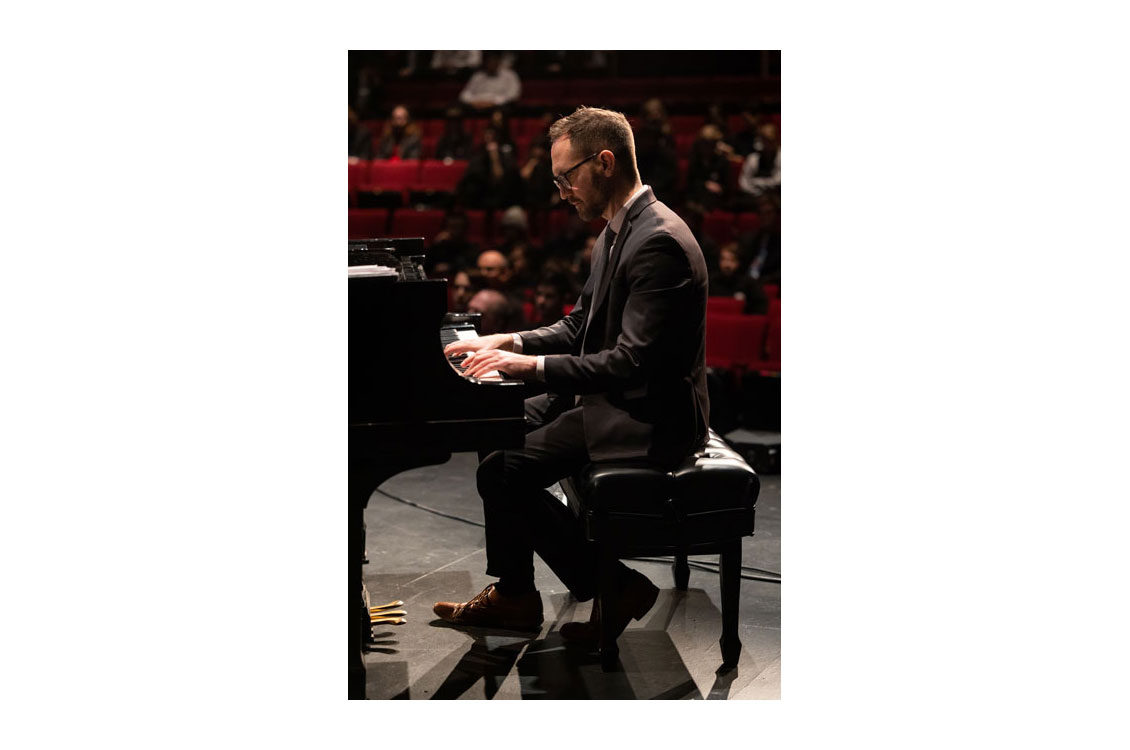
(517, 346)
(541, 367)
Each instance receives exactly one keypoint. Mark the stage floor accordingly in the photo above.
(421, 557)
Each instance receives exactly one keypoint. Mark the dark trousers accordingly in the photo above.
(522, 517)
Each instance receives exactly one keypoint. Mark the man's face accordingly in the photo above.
(548, 302)
(493, 267)
(399, 117)
(589, 190)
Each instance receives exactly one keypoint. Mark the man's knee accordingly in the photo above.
(490, 475)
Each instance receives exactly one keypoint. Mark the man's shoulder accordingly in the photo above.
(658, 219)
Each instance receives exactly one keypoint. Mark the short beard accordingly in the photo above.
(602, 188)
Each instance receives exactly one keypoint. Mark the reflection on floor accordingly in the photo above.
(421, 557)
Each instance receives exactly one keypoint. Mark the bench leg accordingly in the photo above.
(606, 592)
(682, 571)
(730, 568)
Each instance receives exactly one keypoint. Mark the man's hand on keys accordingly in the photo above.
(502, 341)
(515, 365)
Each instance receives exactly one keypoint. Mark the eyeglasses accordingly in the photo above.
(562, 180)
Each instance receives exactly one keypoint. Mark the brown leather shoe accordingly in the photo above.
(490, 609)
(634, 599)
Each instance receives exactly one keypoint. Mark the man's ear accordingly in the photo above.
(607, 162)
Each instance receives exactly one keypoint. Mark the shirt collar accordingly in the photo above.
(622, 214)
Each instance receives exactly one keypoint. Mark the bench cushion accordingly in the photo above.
(708, 498)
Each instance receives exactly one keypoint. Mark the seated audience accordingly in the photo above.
(360, 139)
(761, 172)
(464, 286)
(450, 248)
(494, 267)
(656, 159)
(455, 143)
(499, 313)
(401, 137)
(553, 292)
(762, 248)
(452, 62)
(582, 261)
(537, 179)
(492, 179)
(728, 280)
(707, 171)
(496, 270)
(491, 87)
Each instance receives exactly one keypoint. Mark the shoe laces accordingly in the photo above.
(479, 598)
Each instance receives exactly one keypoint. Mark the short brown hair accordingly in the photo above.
(591, 129)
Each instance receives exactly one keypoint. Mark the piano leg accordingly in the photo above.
(361, 486)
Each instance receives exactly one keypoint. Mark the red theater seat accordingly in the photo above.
(358, 174)
(724, 306)
(683, 143)
(719, 226)
(367, 223)
(432, 128)
(410, 223)
(735, 342)
(476, 226)
(393, 175)
(772, 291)
(435, 175)
(748, 222)
(681, 124)
(772, 361)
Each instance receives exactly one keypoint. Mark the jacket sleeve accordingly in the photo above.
(660, 297)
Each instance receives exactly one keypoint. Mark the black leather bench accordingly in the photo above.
(704, 506)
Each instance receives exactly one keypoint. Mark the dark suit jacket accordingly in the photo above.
(633, 347)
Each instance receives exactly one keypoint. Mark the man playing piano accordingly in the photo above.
(625, 375)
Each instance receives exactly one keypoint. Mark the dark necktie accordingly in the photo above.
(599, 262)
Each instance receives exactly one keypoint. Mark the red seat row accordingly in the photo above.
(744, 342)
(406, 174)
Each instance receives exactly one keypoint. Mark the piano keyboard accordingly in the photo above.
(449, 334)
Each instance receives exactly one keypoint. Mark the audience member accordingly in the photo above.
(582, 261)
(708, 171)
(537, 179)
(360, 139)
(492, 179)
(455, 143)
(401, 137)
(501, 125)
(456, 61)
(568, 241)
(499, 314)
(553, 291)
(465, 285)
(761, 172)
(494, 267)
(496, 270)
(743, 141)
(729, 281)
(491, 87)
(656, 158)
(451, 248)
(763, 247)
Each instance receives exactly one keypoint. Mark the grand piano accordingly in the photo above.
(409, 406)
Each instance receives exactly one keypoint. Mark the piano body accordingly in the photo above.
(408, 405)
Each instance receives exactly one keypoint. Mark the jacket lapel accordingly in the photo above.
(608, 269)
